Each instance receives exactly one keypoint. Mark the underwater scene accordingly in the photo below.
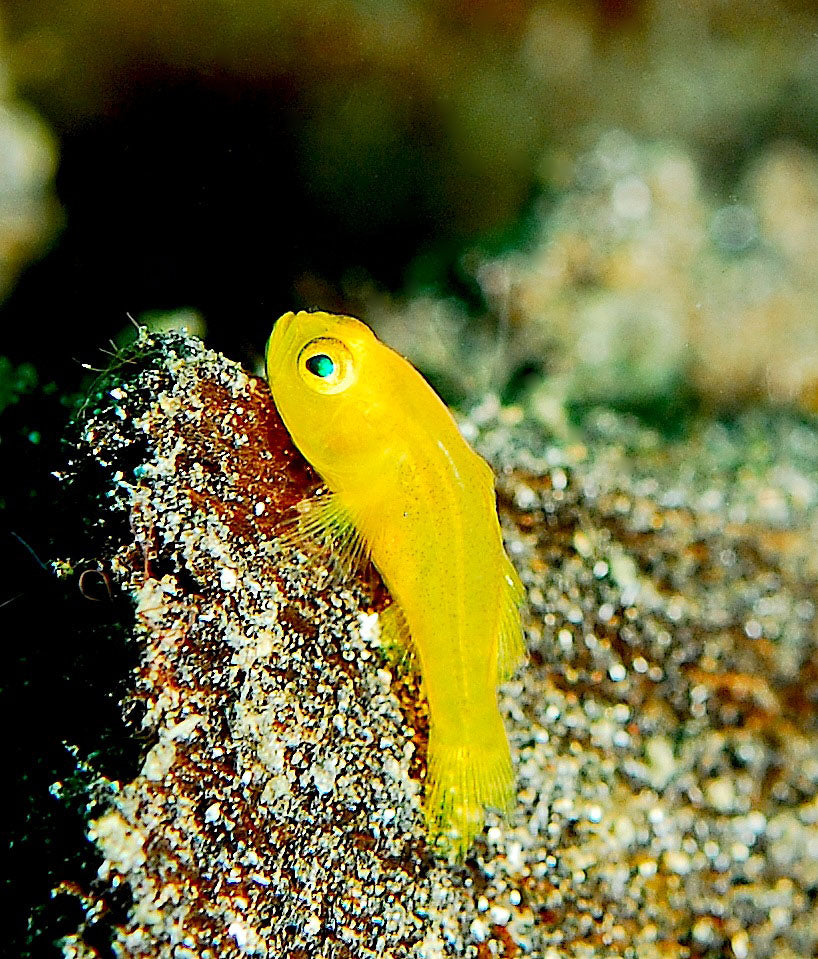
(409, 478)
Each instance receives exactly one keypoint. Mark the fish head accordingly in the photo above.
(330, 379)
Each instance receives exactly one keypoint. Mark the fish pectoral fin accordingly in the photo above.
(323, 526)
(396, 640)
(511, 647)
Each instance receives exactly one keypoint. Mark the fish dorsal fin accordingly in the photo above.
(511, 648)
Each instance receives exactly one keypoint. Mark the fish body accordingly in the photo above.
(407, 490)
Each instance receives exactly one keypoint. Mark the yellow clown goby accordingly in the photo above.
(406, 490)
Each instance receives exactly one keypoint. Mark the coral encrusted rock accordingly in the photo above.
(663, 730)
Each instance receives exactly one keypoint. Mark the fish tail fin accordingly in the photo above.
(463, 781)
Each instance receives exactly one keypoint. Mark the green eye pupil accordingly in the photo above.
(320, 365)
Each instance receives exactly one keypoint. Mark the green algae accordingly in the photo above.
(15, 381)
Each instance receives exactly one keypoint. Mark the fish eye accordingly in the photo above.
(321, 365)
(326, 365)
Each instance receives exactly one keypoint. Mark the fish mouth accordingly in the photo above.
(277, 342)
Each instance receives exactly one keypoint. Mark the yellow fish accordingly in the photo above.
(406, 490)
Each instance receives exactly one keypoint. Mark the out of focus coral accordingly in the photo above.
(642, 282)
(446, 103)
(28, 208)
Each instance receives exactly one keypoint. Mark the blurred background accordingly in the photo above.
(560, 203)
(586, 188)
